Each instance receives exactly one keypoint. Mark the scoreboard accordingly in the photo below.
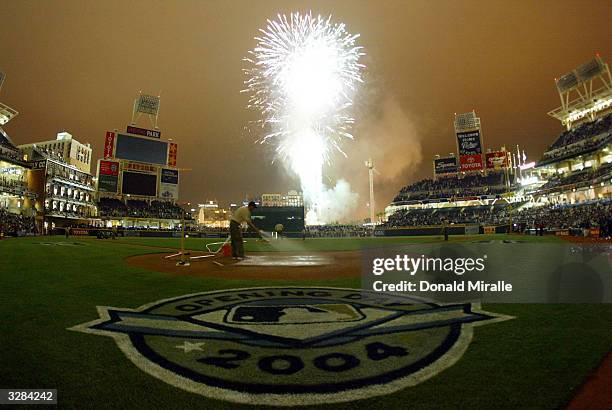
(138, 165)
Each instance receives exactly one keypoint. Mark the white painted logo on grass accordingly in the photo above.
(291, 345)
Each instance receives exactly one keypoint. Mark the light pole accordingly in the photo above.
(370, 165)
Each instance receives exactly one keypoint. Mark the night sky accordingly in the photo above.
(78, 65)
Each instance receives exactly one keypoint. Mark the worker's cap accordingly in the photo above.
(253, 204)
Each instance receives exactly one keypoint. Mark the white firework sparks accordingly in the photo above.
(302, 77)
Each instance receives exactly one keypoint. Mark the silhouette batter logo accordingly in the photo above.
(291, 345)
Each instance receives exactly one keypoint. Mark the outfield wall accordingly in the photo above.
(434, 230)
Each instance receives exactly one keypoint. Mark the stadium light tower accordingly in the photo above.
(585, 93)
(370, 165)
(6, 112)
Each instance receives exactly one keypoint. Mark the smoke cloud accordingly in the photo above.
(336, 205)
(388, 135)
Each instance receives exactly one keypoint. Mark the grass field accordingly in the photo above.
(536, 360)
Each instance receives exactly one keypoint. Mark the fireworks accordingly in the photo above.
(302, 77)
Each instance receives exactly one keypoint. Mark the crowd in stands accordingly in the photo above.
(583, 138)
(336, 231)
(583, 131)
(134, 208)
(470, 185)
(584, 177)
(456, 215)
(10, 154)
(16, 224)
(589, 215)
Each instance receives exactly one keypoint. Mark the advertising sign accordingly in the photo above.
(445, 165)
(169, 176)
(107, 183)
(136, 166)
(143, 131)
(470, 150)
(169, 183)
(168, 191)
(497, 159)
(172, 150)
(109, 168)
(108, 176)
(109, 144)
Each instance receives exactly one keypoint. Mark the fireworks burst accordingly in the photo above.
(302, 76)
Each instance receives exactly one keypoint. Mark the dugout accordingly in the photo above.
(291, 217)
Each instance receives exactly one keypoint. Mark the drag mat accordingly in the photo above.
(275, 265)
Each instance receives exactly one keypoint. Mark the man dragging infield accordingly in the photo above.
(240, 216)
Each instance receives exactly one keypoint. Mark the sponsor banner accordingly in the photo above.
(109, 168)
(42, 164)
(172, 151)
(109, 144)
(445, 165)
(497, 159)
(136, 166)
(143, 131)
(471, 162)
(470, 150)
(169, 176)
(489, 229)
(169, 191)
(471, 229)
(107, 183)
(562, 232)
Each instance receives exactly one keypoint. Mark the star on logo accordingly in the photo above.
(188, 347)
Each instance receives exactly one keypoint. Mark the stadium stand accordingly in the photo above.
(588, 215)
(471, 185)
(16, 224)
(585, 138)
(579, 178)
(134, 208)
(337, 231)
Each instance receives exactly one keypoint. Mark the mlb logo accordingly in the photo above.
(293, 314)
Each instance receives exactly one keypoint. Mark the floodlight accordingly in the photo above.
(590, 69)
(567, 82)
(6, 113)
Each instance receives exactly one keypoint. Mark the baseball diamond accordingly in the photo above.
(330, 205)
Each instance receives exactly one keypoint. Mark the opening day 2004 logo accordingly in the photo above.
(291, 345)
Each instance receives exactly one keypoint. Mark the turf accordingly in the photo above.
(320, 244)
(534, 361)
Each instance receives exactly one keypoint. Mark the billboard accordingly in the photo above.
(143, 131)
(497, 159)
(445, 165)
(470, 150)
(172, 151)
(137, 166)
(108, 176)
(168, 187)
(141, 149)
(169, 176)
(136, 183)
(109, 144)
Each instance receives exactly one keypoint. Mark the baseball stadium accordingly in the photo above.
(484, 281)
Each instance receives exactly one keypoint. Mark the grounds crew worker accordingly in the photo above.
(241, 215)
